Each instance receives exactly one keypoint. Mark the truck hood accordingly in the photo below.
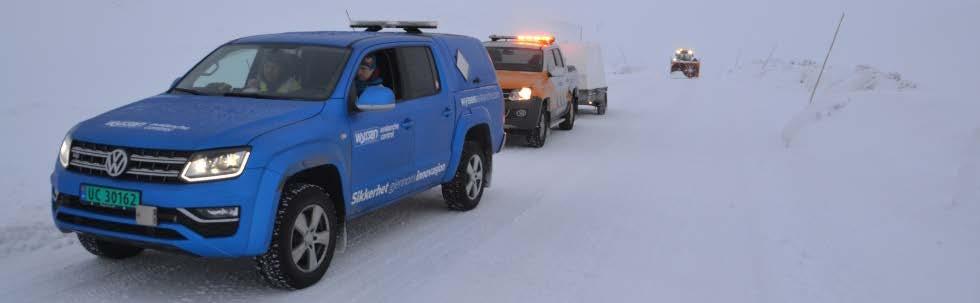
(187, 122)
(515, 80)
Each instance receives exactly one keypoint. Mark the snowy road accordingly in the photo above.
(683, 192)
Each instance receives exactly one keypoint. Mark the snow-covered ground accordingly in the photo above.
(730, 188)
(684, 192)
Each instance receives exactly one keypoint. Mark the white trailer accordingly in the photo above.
(586, 58)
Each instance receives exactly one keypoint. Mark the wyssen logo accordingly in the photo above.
(160, 127)
(366, 137)
(376, 134)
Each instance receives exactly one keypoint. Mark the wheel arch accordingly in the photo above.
(326, 176)
(475, 126)
(480, 133)
(318, 162)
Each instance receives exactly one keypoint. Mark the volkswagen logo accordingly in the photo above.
(115, 162)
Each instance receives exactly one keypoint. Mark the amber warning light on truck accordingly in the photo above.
(539, 39)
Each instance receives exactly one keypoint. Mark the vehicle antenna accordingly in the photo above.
(349, 21)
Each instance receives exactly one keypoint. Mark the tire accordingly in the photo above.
(539, 134)
(575, 104)
(569, 122)
(464, 192)
(601, 107)
(291, 261)
(106, 249)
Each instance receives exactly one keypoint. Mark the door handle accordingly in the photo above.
(408, 123)
(447, 112)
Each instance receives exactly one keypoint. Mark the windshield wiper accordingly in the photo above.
(189, 91)
(259, 96)
(249, 95)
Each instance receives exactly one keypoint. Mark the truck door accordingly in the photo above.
(566, 79)
(557, 79)
(382, 143)
(433, 110)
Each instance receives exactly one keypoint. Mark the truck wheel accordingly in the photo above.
(106, 249)
(466, 189)
(540, 134)
(303, 238)
(569, 122)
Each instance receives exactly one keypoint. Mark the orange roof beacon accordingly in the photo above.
(538, 86)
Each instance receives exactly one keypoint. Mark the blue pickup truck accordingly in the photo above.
(272, 143)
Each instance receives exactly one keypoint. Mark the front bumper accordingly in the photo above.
(522, 116)
(255, 192)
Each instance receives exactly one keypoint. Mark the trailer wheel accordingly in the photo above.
(600, 107)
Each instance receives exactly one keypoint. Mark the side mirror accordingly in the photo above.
(572, 69)
(376, 98)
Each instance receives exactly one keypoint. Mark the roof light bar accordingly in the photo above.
(409, 26)
(539, 39)
(502, 37)
(542, 39)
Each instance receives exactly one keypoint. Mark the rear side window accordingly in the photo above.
(418, 72)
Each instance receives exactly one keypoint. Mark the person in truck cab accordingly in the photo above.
(275, 76)
(367, 74)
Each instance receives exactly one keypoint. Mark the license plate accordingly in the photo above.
(110, 197)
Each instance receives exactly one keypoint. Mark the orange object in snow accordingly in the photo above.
(685, 63)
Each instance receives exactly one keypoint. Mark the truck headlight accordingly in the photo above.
(215, 165)
(64, 154)
(522, 94)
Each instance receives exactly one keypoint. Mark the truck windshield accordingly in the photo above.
(517, 59)
(264, 71)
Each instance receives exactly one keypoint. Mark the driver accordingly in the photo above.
(273, 78)
(366, 75)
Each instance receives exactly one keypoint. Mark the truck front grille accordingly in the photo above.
(507, 93)
(143, 165)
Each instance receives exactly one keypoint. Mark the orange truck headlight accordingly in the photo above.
(524, 94)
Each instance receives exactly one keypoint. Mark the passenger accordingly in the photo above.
(275, 77)
(367, 74)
